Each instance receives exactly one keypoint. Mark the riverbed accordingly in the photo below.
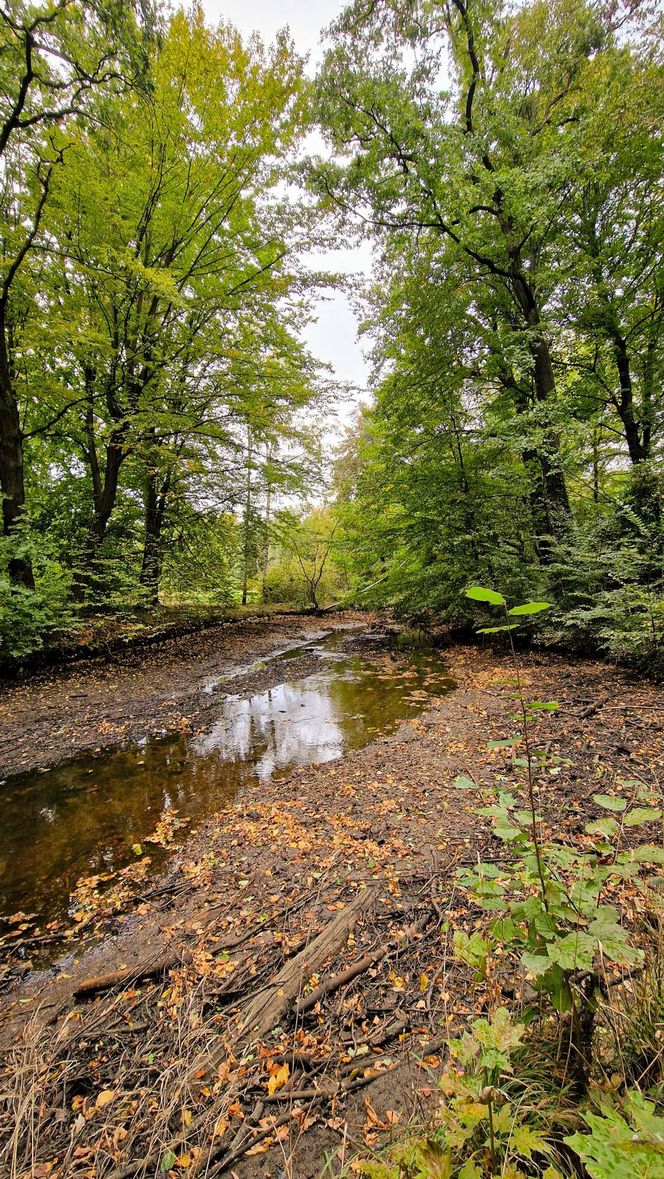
(308, 702)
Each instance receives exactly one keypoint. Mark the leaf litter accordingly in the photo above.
(329, 903)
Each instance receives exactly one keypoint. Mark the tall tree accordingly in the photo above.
(53, 58)
(484, 163)
(167, 240)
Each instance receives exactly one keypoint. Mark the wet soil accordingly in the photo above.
(104, 702)
(261, 879)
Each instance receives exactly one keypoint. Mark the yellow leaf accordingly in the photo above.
(104, 1098)
(424, 982)
(278, 1079)
(184, 1160)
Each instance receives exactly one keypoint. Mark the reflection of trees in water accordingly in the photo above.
(287, 725)
(81, 819)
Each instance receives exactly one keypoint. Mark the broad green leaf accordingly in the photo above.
(494, 630)
(463, 783)
(642, 814)
(530, 608)
(507, 832)
(525, 1141)
(576, 951)
(610, 802)
(470, 1170)
(607, 827)
(479, 593)
(536, 963)
(646, 854)
(167, 1162)
(503, 930)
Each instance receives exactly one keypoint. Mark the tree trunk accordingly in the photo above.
(12, 481)
(557, 505)
(638, 451)
(105, 493)
(266, 547)
(155, 511)
(247, 521)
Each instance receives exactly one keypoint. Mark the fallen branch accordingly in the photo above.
(116, 978)
(334, 981)
(266, 1010)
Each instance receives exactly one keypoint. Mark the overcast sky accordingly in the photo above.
(334, 337)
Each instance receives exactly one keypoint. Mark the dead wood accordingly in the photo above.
(593, 708)
(90, 987)
(334, 981)
(267, 1009)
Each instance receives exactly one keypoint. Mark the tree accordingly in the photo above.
(169, 245)
(485, 165)
(53, 58)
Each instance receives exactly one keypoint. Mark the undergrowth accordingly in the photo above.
(567, 1081)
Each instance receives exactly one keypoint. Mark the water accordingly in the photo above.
(84, 817)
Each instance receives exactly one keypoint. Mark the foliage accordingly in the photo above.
(516, 433)
(488, 1116)
(152, 306)
(625, 1139)
(29, 618)
(553, 921)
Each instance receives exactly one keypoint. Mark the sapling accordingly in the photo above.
(549, 901)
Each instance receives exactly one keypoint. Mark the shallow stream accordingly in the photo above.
(91, 815)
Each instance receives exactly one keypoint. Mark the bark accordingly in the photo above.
(12, 479)
(247, 521)
(638, 442)
(156, 497)
(105, 492)
(549, 499)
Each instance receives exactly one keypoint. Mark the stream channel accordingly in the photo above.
(93, 814)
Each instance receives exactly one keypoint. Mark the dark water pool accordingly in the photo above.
(86, 816)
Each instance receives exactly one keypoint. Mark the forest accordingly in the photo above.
(331, 725)
(165, 435)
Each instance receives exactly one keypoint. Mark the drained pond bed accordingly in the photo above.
(96, 814)
(284, 990)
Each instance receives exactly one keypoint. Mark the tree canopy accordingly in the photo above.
(160, 417)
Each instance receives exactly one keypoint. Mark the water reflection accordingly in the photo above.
(83, 817)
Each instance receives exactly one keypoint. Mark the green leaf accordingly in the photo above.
(576, 951)
(494, 630)
(472, 950)
(503, 930)
(646, 854)
(543, 705)
(536, 963)
(168, 1161)
(642, 814)
(530, 608)
(607, 827)
(610, 802)
(507, 832)
(525, 1141)
(479, 594)
(470, 1170)
(463, 783)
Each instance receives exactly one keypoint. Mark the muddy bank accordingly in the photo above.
(308, 703)
(365, 846)
(138, 693)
